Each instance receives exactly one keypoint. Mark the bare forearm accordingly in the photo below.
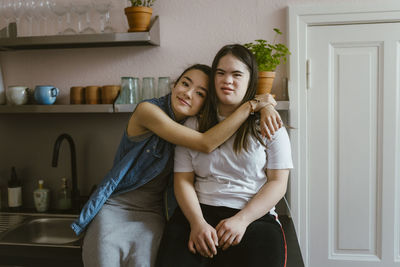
(187, 199)
(221, 132)
(270, 118)
(268, 196)
(148, 117)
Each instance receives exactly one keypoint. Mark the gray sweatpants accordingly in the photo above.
(127, 231)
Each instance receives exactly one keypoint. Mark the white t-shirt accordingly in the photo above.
(224, 178)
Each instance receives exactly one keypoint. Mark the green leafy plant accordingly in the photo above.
(146, 3)
(268, 55)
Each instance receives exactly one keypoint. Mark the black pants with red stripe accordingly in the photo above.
(263, 244)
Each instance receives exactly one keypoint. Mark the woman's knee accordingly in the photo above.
(174, 251)
(262, 243)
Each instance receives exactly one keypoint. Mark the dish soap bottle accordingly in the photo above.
(64, 196)
(14, 192)
(41, 197)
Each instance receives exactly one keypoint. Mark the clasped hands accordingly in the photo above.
(204, 239)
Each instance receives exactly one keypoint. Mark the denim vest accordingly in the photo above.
(135, 164)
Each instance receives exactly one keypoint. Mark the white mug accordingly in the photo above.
(17, 95)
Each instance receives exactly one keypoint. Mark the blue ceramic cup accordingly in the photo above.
(45, 94)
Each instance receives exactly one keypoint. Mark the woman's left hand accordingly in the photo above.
(230, 232)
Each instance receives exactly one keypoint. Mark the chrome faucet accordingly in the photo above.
(74, 192)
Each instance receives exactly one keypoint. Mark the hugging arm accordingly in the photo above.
(148, 117)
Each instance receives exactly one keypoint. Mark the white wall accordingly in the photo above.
(191, 32)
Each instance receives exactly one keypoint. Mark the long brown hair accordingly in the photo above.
(209, 116)
(204, 68)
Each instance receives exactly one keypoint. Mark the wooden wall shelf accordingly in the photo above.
(99, 108)
(13, 42)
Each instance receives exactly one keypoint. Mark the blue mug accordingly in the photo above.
(45, 94)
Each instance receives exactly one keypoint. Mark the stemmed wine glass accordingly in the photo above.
(29, 7)
(17, 11)
(6, 8)
(108, 28)
(69, 8)
(103, 8)
(82, 8)
(44, 8)
(59, 8)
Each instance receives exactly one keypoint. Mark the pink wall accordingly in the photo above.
(191, 32)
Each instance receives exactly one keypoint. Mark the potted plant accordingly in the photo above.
(139, 15)
(268, 57)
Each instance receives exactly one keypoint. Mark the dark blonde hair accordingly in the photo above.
(209, 116)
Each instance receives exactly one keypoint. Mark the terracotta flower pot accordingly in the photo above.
(265, 82)
(138, 18)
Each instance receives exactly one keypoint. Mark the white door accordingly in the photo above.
(353, 103)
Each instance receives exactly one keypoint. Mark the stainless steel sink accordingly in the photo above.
(42, 230)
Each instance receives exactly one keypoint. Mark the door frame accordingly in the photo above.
(299, 18)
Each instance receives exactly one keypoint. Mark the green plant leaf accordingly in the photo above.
(146, 3)
(268, 55)
(277, 31)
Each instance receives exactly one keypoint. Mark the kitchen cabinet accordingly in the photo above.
(35, 256)
(13, 42)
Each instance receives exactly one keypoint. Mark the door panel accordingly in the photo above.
(351, 123)
(354, 132)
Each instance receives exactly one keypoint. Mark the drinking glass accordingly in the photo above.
(44, 9)
(129, 90)
(69, 29)
(17, 12)
(59, 7)
(82, 8)
(108, 28)
(163, 86)
(6, 11)
(103, 8)
(29, 7)
(148, 89)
